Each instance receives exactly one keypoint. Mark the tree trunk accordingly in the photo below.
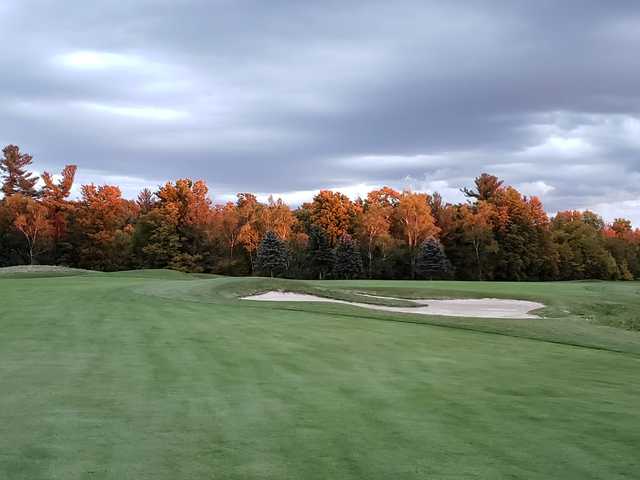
(252, 263)
(413, 266)
(370, 255)
(476, 246)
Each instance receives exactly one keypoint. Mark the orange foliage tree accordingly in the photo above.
(477, 227)
(173, 230)
(54, 198)
(229, 225)
(31, 221)
(333, 212)
(417, 223)
(104, 220)
(278, 218)
(249, 212)
(185, 202)
(375, 223)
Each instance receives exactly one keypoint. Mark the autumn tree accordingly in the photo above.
(230, 225)
(185, 201)
(621, 227)
(520, 240)
(375, 223)
(146, 201)
(57, 192)
(624, 246)
(486, 187)
(278, 218)
(104, 228)
(417, 223)
(14, 173)
(332, 212)
(175, 226)
(414, 215)
(521, 228)
(477, 230)
(385, 196)
(59, 210)
(30, 219)
(252, 229)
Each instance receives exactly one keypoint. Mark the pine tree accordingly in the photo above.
(322, 255)
(348, 263)
(272, 256)
(15, 177)
(432, 261)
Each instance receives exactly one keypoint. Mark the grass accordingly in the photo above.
(41, 271)
(143, 375)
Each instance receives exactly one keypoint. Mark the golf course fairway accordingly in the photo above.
(163, 375)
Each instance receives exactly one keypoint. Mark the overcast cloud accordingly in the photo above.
(287, 97)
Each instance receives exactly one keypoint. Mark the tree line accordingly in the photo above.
(497, 234)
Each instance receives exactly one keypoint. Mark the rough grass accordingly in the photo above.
(148, 376)
(157, 274)
(41, 271)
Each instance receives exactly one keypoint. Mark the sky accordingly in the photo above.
(286, 97)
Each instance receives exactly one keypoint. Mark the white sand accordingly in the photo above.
(468, 307)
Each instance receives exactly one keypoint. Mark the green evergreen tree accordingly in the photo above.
(348, 264)
(321, 254)
(272, 258)
(432, 261)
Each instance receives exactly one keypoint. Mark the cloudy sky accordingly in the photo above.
(287, 96)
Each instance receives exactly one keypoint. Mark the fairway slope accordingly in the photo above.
(576, 313)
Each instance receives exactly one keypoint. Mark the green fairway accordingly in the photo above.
(161, 375)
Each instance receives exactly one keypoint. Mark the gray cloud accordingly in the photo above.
(287, 96)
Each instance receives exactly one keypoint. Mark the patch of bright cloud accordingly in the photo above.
(556, 146)
(449, 193)
(94, 60)
(631, 130)
(629, 209)
(138, 112)
(538, 188)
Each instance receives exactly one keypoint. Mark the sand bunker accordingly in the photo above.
(468, 307)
